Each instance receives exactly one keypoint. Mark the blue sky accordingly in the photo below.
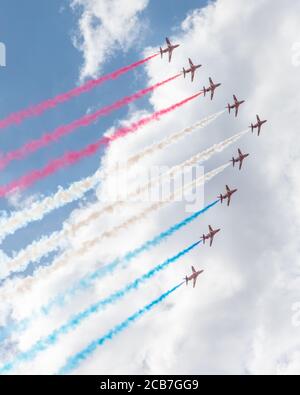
(42, 62)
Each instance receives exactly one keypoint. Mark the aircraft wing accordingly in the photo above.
(212, 94)
(227, 188)
(170, 54)
(191, 63)
(240, 152)
(193, 269)
(192, 74)
(229, 199)
(257, 117)
(236, 111)
(210, 228)
(235, 99)
(194, 281)
(241, 162)
(168, 42)
(211, 241)
(258, 132)
(211, 82)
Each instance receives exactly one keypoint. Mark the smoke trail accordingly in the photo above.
(102, 271)
(46, 244)
(88, 280)
(74, 156)
(20, 219)
(77, 319)
(74, 361)
(38, 109)
(174, 138)
(39, 209)
(61, 131)
(19, 286)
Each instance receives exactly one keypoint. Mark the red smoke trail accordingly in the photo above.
(61, 131)
(70, 158)
(38, 109)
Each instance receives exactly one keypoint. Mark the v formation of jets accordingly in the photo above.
(241, 156)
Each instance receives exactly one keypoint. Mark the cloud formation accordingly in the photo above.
(104, 27)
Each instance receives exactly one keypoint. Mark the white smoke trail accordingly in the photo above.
(18, 287)
(20, 219)
(47, 244)
(174, 138)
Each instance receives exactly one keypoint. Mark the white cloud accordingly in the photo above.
(239, 318)
(104, 27)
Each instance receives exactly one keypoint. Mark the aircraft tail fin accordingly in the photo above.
(161, 52)
(233, 161)
(252, 127)
(221, 197)
(228, 106)
(184, 72)
(204, 90)
(203, 239)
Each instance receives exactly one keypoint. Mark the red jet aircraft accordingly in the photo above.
(236, 105)
(257, 125)
(239, 159)
(191, 70)
(193, 276)
(227, 195)
(210, 235)
(170, 48)
(211, 89)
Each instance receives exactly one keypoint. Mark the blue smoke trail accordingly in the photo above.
(89, 279)
(76, 320)
(74, 361)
